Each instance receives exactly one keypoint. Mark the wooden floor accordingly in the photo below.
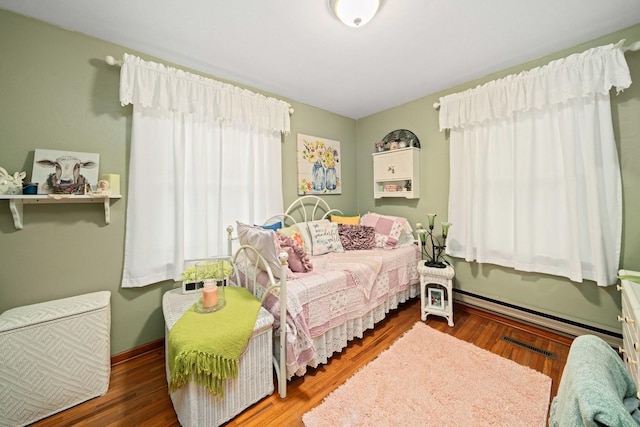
(138, 394)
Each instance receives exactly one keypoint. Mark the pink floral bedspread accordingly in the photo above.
(329, 296)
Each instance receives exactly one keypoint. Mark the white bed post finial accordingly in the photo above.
(282, 257)
(230, 240)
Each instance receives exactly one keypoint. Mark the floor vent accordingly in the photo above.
(546, 353)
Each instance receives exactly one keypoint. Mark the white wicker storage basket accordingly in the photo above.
(53, 355)
(195, 406)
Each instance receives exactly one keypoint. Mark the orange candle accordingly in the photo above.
(209, 296)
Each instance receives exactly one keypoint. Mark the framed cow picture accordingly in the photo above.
(65, 172)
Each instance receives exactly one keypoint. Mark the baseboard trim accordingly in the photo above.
(137, 351)
(567, 327)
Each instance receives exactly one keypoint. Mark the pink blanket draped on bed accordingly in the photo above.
(364, 267)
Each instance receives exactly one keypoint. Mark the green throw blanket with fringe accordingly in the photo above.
(206, 348)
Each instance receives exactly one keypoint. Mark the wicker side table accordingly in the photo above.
(436, 291)
(193, 404)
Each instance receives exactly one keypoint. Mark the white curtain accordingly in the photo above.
(534, 175)
(203, 155)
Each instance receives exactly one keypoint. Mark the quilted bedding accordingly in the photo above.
(343, 289)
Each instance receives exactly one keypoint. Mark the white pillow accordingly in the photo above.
(325, 237)
(266, 244)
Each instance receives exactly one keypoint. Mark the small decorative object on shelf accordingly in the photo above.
(403, 138)
(11, 184)
(103, 189)
(113, 180)
(30, 188)
(433, 257)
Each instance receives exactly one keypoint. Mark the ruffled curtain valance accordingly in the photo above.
(593, 71)
(154, 85)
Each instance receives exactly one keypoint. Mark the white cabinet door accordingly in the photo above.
(393, 166)
(396, 173)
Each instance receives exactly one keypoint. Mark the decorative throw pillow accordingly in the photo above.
(388, 229)
(292, 232)
(325, 237)
(351, 220)
(357, 237)
(298, 260)
(266, 244)
(303, 229)
(275, 226)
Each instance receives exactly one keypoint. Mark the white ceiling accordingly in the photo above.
(297, 49)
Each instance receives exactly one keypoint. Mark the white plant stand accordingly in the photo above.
(436, 291)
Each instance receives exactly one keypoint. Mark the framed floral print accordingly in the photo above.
(319, 169)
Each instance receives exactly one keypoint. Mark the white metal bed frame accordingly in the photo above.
(307, 208)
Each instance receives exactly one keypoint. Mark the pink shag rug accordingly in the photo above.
(429, 378)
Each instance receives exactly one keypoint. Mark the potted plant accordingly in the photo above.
(208, 270)
(427, 241)
(200, 273)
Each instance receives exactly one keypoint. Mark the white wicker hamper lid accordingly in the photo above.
(29, 315)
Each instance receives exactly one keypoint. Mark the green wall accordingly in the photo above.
(585, 302)
(58, 93)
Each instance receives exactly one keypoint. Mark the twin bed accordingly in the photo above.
(362, 268)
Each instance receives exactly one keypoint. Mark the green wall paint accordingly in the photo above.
(58, 93)
(312, 121)
(586, 302)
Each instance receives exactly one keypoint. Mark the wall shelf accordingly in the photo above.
(16, 202)
(396, 173)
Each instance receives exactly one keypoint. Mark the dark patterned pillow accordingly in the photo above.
(355, 237)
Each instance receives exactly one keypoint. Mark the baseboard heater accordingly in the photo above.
(537, 318)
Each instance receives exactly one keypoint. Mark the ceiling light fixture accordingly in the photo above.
(355, 13)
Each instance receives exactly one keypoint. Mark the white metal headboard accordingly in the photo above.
(306, 208)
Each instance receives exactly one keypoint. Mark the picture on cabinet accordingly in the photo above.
(319, 169)
(65, 172)
(435, 298)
